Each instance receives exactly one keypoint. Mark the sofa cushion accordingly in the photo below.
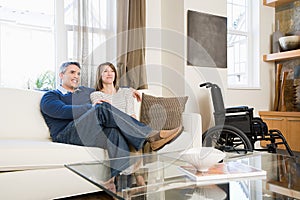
(41, 184)
(30, 154)
(162, 112)
(21, 117)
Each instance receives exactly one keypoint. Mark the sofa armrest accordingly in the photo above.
(192, 123)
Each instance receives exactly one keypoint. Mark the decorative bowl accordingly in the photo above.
(289, 42)
(202, 158)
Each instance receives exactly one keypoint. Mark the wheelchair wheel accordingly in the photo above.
(227, 138)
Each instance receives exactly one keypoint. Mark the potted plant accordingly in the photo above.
(46, 81)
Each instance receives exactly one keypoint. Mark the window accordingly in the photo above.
(26, 42)
(99, 22)
(242, 72)
(30, 30)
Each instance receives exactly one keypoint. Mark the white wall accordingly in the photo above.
(171, 17)
(164, 57)
(153, 44)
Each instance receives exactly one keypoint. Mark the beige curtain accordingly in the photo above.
(131, 23)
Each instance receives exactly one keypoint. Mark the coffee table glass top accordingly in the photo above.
(156, 176)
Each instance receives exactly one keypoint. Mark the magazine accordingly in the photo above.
(224, 171)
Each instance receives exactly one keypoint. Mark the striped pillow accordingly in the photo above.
(162, 113)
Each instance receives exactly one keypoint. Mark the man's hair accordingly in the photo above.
(63, 67)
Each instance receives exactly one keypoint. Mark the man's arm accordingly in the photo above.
(54, 107)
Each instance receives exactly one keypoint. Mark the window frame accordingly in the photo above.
(252, 67)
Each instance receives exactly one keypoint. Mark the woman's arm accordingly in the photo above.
(136, 94)
(130, 103)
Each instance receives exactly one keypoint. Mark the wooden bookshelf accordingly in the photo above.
(286, 55)
(282, 56)
(274, 3)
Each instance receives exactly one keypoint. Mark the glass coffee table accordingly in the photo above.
(159, 177)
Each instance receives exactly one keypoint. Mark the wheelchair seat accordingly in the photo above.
(237, 109)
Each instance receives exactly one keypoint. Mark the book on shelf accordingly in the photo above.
(224, 171)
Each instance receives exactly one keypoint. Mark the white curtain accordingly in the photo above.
(90, 25)
(98, 30)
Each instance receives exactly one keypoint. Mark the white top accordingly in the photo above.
(123, 99)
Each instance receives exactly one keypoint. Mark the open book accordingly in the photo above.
(224, 172)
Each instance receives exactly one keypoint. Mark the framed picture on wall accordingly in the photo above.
(207, 40)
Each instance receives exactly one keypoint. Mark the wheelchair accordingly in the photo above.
(236, 130)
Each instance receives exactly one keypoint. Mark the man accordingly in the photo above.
(72, 119)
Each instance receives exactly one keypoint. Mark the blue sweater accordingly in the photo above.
(60, 109)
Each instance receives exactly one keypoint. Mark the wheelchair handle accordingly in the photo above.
(217, 97)
(207, 84)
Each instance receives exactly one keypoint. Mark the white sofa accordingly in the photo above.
(32, 166)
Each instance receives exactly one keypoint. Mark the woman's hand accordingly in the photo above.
(136, 95)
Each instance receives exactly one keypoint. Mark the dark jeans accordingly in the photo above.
(107, 127)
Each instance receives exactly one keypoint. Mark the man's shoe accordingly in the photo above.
(157, 145)
(158, 135)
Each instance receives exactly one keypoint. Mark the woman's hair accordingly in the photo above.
(63, 66)
(100, 69)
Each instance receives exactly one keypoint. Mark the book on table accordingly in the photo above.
(224, 171)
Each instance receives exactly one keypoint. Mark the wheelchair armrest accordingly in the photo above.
(237, 109)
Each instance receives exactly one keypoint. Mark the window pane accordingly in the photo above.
(96, 15)
(69, 12)
(243, 67)
(239, 42)
(237, 59)
(230, 60)
(26, 42)
(237, 68)
(70, 43)
(236, 47)
(237, 15)
(229, 17)
(243, 50)
(100, 25)
(239, 2)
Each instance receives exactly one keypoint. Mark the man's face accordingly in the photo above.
(70, 78)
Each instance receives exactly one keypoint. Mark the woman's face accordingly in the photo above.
(108, 75)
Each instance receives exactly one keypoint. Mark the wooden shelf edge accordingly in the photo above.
(281, 55)
(275, 3)
(279, 113)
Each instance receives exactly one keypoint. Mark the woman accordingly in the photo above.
(107, 90)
